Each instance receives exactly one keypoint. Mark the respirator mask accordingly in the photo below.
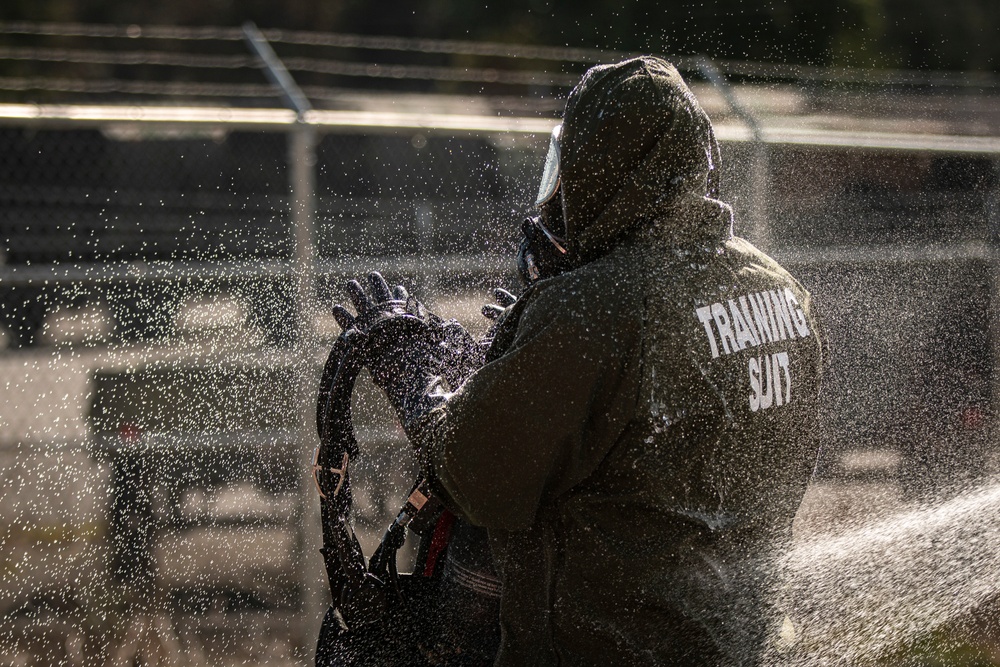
(543, 251)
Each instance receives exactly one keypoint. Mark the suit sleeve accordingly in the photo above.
(538, 420)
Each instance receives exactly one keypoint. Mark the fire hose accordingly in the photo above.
(375, 615)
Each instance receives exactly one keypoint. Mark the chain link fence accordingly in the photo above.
(159, 374)
(165, 290)
(149, 306)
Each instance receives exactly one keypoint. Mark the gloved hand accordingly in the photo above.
(495, 312)
(504, 300)
(381, 303)
(417, 357)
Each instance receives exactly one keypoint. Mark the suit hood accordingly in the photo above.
(635, 144)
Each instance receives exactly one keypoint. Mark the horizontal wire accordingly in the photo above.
(806, 73)
(90, 57)
(208, 91)
(313, 65)
(167, 88)
(443, 46)
(210, 33)
(429, 73)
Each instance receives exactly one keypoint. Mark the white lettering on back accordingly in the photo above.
(798, 317)
(770, 381)
(760, 319)
(705, 317)
(744, 335)
(722, 324)
(781, 316)
(752, 320)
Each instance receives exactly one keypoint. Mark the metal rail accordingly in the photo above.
(329, 121)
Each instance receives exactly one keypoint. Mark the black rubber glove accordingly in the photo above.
(504, 300)
(418, 357)
(496, 312)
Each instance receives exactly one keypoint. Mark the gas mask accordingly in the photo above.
(543, 252)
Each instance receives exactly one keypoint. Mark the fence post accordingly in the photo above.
(760, 223)
(302, 143)
(993, 253)
(302, 190)
(302, 172)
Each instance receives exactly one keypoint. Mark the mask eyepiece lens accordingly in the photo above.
(549, 184)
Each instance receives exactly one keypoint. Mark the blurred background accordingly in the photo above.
(186, 186)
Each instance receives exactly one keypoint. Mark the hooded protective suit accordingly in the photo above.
(643, 433)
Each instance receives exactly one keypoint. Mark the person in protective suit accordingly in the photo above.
(642, 432)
